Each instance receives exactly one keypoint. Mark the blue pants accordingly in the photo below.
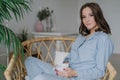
(39, 70)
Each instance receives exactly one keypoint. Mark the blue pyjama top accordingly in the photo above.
(89, 56)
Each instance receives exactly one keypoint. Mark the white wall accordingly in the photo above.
(66, 16)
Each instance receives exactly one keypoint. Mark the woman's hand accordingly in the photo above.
(67, 72)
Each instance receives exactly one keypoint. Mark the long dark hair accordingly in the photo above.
(99, 18)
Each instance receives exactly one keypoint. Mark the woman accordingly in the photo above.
(89, 53)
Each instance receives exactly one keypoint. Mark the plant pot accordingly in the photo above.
(39, 27)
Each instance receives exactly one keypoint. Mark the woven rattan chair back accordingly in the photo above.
(110, 72)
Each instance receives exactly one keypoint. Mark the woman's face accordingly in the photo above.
(88, 19)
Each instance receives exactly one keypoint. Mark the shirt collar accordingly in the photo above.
(92, 35)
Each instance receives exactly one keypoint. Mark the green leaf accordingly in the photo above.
(19, 8)
(10, 39)
(2, 69)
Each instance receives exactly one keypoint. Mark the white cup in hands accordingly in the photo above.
(61, 67)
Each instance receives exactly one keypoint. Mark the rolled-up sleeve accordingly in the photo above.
(103, 52)
(73, 49)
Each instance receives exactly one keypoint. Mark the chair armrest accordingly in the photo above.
(8, 71)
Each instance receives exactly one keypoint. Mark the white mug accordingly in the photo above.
(61, 67)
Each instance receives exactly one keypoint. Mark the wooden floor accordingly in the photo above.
(115, 60)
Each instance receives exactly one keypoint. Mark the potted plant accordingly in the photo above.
(7, 36)
(23, 36)
(44, 14)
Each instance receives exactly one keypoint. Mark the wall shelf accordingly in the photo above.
(46, 34)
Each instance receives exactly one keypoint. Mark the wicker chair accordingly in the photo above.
(43, 48)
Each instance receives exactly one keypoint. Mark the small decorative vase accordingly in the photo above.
(39, 27)
(49, 24)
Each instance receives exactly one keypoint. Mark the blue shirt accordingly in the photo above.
(89, 56)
